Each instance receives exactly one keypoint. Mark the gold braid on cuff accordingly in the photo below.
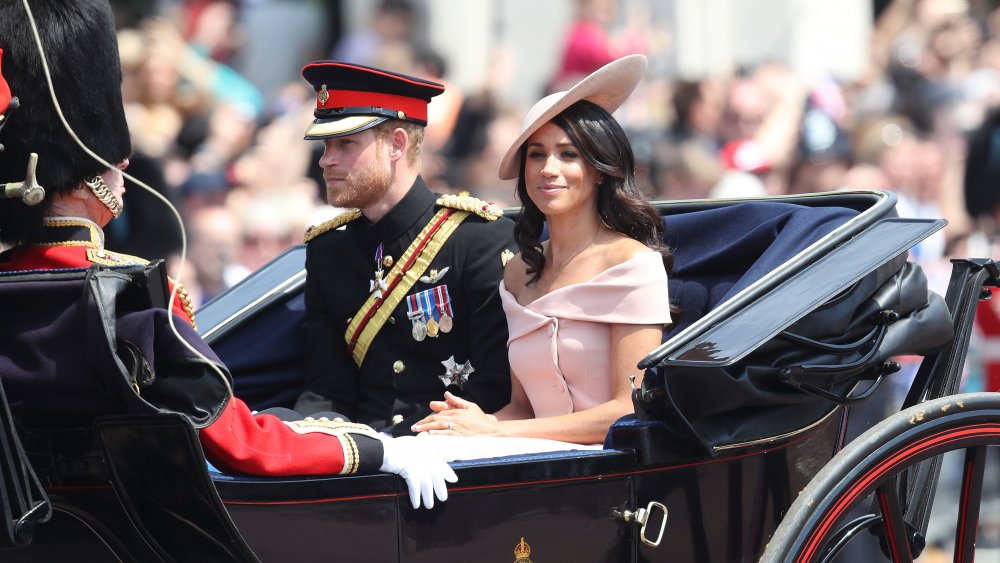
(103, 193)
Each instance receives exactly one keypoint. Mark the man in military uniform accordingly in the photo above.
(402, 303)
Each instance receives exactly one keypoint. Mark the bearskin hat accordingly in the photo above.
(81, 49)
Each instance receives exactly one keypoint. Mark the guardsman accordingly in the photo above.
(49, 385)
(402, 298)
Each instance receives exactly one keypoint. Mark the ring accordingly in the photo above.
(451, 425)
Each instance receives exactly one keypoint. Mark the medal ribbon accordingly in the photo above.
(414, 308)
(427, 305)
(442, 301)
(372, 316)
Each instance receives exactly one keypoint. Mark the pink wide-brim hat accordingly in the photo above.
(608, 87)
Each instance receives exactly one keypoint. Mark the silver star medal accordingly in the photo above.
(455, 374)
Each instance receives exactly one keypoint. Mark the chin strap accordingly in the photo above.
(103, 193)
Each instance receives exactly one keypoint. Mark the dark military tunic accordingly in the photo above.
(400, 375)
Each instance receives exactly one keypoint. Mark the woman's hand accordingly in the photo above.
(457, 417)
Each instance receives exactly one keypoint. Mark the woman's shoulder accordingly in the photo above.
(621, 249)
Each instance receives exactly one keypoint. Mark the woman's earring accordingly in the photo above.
(103, 193)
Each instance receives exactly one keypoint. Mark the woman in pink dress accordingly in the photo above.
(585, 306)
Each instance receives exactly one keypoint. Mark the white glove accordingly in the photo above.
(424, 470)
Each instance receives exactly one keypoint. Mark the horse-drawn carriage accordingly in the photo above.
(793, 310)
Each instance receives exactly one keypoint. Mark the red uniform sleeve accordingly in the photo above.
(240, 442)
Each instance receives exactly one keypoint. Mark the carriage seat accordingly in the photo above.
(719, 252)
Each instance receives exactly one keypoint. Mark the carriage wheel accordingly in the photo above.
(872, 470)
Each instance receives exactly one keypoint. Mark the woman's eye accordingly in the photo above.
(536, 154)
(569, 155)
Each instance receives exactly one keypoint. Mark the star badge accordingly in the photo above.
(455, 374)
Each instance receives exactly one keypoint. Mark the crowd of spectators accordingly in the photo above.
(217, 120)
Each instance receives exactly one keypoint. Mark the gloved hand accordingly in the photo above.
(424, 470)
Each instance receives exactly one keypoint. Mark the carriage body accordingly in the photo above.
(716, 481)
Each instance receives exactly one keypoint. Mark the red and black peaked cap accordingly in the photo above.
(351, 98)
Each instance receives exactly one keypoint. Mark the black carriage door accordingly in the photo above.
(549, 521)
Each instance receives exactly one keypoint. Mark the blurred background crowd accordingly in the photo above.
(217, 107)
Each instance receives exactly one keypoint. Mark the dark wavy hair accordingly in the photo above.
(603, 144)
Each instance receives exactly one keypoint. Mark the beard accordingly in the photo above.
(364, 187)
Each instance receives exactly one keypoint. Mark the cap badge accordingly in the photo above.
(455, 374)
(505, 256)
(324, 95)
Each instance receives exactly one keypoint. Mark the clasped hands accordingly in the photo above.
(455, 416)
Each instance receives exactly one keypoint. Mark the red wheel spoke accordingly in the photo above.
(968, 504)
(892, 522)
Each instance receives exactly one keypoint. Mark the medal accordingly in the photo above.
(426, 300)
(430, 312)
(455, 374)
(378, 285)
(445, 324)
(419, 331)
(443, 306)
(415, 313)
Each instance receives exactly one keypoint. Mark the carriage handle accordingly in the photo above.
(641, 517)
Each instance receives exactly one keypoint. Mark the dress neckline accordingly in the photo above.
(636, 256)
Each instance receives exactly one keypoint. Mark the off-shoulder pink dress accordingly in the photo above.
(560, 343)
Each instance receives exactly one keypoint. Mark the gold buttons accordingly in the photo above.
(387, 261)
(398, 366)
(397, 418)
(401, 114)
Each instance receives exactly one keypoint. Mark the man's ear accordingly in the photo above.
(399, 143)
